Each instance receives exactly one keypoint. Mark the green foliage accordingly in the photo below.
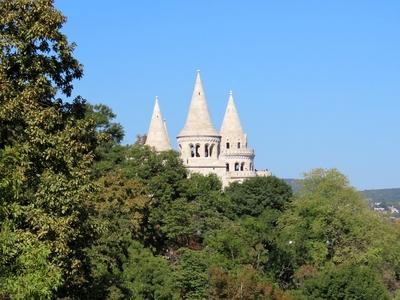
(198, 209)
(145, 164)
(146, 276)
(347, 282)
(103, 116)
(118, 214)
(239, 243)
(32, 276)
(34, 51)
(245, 283)
(330, 221)
(192, 273)
(45, 155)
(257, 194)
(330, 224)
(108, 153)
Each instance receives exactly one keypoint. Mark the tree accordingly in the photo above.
(192, 273)
(329, 223)
(146, 276)
(346, 282)
(109, 153)
(257, 194)
(118, 211)
(243, 283)
(199, 208)
(45, 156)
(239, 243)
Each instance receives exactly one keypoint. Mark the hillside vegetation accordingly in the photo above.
(383, 195)
(84, 217)
(373, 195)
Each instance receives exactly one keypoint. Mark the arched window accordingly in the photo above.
(238, 145)
(211, 150)
(237, 166)
(191, 150)
(251, 167)
(197, 150)
(206, 150)
(180, 148)
(227, 167)
(228, 145)
(242, 166)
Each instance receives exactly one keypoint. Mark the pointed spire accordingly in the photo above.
(231, 124)
(198, 121)
(157, 135)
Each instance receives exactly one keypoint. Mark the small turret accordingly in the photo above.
(157, 136)
(231, 124)
(238, 157)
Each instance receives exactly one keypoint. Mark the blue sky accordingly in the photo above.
(317, 83)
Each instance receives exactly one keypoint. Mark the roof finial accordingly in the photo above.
(230, 93)
(198, 71)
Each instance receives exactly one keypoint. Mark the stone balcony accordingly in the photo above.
(238, 152)
(240, 174)
(247, 174)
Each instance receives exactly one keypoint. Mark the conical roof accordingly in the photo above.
(157, 135)
(198, 121)
(231, 124)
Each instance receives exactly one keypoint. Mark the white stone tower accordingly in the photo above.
(199, 142)
(157, 136)
(204, 150)
(238, 157)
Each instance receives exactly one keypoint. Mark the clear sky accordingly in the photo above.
(317, 83)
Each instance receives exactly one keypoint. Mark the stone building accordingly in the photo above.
(202, 148)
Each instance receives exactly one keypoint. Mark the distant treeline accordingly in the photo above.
(374, 195)
(382, 195)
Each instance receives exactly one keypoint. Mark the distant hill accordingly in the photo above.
(377, 195)
(383, 195)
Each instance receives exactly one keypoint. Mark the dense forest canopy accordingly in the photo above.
(84, 217)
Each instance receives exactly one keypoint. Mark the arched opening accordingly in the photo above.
(206, 150)
(180, 148)
(211, 150)
(238, 145)
(242, 166)
(228, 145)
(227, 167)
(237, 167)
(197, 150)
(251, 167)
(191, 147)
